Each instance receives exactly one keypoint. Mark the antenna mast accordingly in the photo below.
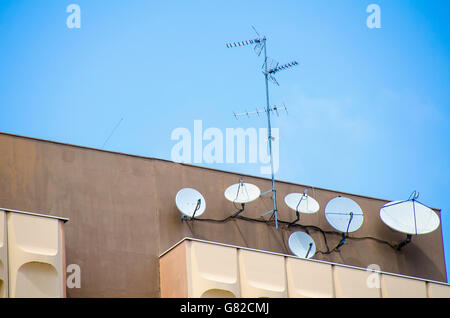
(260, 44)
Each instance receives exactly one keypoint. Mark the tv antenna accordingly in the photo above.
(269, 71)
(301, 203)
(242, 193)
(302, 245)
(410, 217)
(190, 202)
(345, 215)
(112, 132)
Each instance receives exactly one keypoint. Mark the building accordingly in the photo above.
(124, 227)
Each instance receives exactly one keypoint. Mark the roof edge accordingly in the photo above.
(192, 165)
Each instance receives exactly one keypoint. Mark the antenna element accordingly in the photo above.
(260, 44)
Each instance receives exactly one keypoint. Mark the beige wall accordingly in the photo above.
(32, 263)
(3, 256)
(173, 272)
(123, 215)
(208, 268)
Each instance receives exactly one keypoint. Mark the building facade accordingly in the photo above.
(123, 216)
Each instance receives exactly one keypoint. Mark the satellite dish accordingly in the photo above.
(190, 202)
(410, 217)
(242, 192)
(301, 203)
(344, 214)
(302, 245)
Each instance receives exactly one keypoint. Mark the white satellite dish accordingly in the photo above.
(242, 192)
(410, 217)
(190, 202)
(302, 245)
(344, 214)
(301, 203)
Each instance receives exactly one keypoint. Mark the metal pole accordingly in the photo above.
(269, 133)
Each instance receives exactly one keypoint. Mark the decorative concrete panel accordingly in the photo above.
(35, 255)
(262, 274)
(400, 287)
(309, 279)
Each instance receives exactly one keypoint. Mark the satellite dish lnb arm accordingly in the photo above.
(297, 211)
(342, 241)
(403, 243)
(240, 210)
(199, 202)
(296, 220)
(309, 249)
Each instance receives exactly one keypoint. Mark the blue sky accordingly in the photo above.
(368, 108)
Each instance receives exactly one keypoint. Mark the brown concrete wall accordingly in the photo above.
(123, 215)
